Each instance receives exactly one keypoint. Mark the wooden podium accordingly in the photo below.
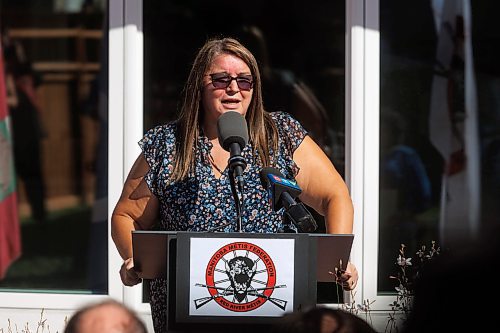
(231, 279)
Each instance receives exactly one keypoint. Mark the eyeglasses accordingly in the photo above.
(223, 80)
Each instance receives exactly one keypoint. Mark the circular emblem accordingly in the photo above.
(240, 276)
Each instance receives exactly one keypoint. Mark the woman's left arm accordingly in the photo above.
(323, 188)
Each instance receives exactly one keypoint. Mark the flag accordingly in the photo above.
(453, 123)
(10, 236)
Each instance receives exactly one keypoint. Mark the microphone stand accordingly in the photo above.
(233, 137)
(237, 165)
(237, 202)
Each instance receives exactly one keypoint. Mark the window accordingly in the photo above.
(429, 192)
(56, 81)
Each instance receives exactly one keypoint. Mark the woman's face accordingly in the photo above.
(235, 97)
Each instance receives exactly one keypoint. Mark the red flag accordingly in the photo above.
(10, 235)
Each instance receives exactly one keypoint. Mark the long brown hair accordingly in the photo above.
(260, 125)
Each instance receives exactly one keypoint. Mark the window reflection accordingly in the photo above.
(58, 116)
(428, 143)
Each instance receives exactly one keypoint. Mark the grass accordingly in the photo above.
(54, 255)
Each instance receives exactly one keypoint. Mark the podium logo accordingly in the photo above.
(240, 277)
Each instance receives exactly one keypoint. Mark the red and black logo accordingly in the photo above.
(240, 277)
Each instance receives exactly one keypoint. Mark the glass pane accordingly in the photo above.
(427, 188)
(56, 88)
(301, 51)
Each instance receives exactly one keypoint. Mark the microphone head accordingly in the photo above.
(264, 175)
(232, 128)
(276, 184)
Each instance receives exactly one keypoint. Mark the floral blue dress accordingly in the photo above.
(203, 202)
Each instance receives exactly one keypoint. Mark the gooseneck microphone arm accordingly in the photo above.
(237, 163)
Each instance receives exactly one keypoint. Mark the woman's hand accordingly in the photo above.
(128, 274)
(348, 278)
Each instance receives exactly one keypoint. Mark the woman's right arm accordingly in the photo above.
(137, 209)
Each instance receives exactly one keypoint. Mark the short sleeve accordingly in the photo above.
(291, 134)
(158, 148)
(290, 129)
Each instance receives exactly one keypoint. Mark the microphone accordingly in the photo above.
(277, 186)
(282, 193)
(233, 137)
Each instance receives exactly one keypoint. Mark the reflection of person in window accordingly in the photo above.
(282, 90)
(403, 173)
(26, 136)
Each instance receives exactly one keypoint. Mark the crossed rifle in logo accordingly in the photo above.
(228, 291)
